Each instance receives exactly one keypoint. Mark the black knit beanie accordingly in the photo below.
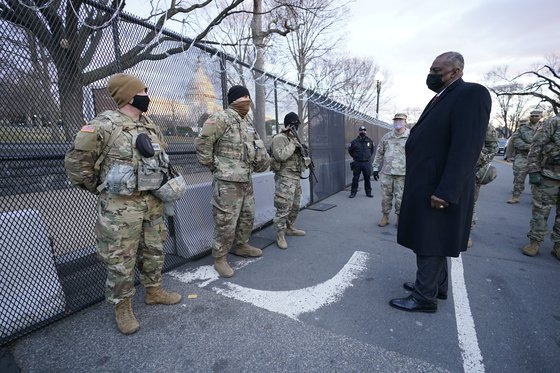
(291, 118)
(236, 92)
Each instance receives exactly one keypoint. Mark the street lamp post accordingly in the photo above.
(378, 80)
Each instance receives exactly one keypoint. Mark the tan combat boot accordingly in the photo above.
(126, 321)
(156, 295)
(531, 249)
(469, 242)
(247, 250)
(293, 231)
(281, 240)
(384, 220)
(556, 250)
(222, 267)
(514, 199)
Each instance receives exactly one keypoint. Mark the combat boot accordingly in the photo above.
(126, 321)
(514, 199)
(247, 250)
(156, 295)
(222, 267)
(281, 240)
(556, 250)
(469, 242)
(531, 249)
(384, 220)
(293, 231)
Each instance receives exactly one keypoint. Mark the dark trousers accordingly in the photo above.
(431, 278)
(359, 168)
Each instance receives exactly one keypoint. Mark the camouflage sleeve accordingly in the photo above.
(379, 154)
(88, 144)
(212, 130)
(488, 152)
(541, 138)
(519, 143)
(282, 148)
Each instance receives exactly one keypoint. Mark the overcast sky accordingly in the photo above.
(404, 37)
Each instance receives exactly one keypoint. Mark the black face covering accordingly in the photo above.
(434, 82)
(141, 103)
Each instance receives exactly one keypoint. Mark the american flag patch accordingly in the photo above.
(88, 128)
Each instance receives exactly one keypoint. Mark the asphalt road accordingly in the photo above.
(322, 305)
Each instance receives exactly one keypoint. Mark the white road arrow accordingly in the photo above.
(293, 303)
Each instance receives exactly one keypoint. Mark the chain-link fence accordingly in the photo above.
(55, 66)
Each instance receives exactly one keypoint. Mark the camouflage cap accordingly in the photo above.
(536, 113)
(400, 116)
(171, 191)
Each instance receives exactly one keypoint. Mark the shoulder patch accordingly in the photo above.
(88, 128)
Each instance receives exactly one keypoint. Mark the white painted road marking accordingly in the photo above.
(472, 357)
(207, 274)
(293, 303)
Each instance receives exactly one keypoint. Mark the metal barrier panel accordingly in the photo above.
(51, 87)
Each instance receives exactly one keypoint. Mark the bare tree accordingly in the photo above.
(71, 31)
(511, 108)
(541, 82)
(317, 35)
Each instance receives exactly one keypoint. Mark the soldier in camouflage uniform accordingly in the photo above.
(521, 141)
(231, 148)
(485, 172)
(544, 177)
(391, 156)
(287, 163)
(509, 154)
(120, 156)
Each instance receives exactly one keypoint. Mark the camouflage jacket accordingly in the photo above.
(106, 140)
(489, 149)
(390, 154)
(544, 156)
(522, 139)
(287, 158)
(226, 146)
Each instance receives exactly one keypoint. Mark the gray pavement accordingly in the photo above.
(513, 300)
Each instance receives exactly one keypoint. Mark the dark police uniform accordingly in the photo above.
(361, 150)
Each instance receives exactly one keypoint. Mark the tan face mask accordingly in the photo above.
(241, 107)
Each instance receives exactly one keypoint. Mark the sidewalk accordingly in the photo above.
(216, 333)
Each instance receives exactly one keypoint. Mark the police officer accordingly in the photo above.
(231, 148)
(391, 156)
(288, 162)
(521, 141)
(361, 149)
(544, 175)
(120, 156)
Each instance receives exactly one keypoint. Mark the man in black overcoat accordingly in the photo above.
(437, 203)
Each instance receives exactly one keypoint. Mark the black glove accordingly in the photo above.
(375, 175)
(535, 178)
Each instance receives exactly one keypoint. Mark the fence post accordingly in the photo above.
(223, 75)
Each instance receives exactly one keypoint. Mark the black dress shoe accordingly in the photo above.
(410, 287)
(411, 304)
(352, 195)
(369, 195)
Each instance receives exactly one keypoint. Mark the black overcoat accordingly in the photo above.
(441, 155)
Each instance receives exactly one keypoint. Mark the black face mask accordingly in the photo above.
(434, 82)
(362, 134)
(141, 103)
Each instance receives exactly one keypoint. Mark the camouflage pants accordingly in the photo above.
(391, 185)
(476, 192)
(130, 230)
(545, 197)
(233, 208)
(519, 173)
(287, 197)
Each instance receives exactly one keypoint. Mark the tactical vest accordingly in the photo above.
(119, 168)
(236, 149)
(291, 167)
